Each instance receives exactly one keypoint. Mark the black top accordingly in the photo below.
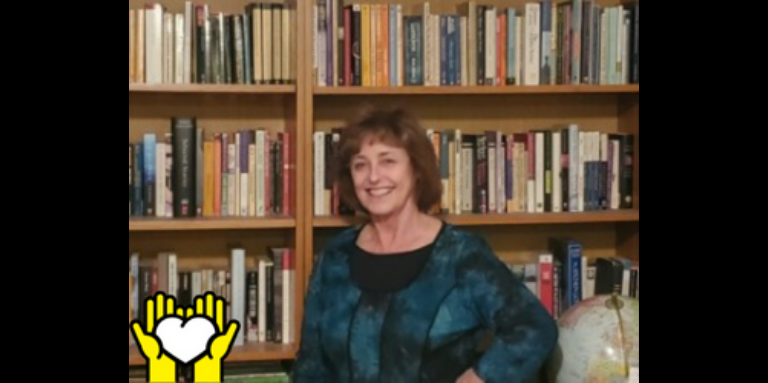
(384, 274)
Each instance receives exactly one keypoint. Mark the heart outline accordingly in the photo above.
(178, 327)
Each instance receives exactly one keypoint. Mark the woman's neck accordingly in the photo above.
(398, 232)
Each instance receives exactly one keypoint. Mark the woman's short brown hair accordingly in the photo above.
(399, 128)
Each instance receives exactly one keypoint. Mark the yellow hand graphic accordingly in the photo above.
(161, 368)
(209, 368)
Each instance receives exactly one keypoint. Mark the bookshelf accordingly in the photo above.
(448, 100)
(225, 105)
(303, 106)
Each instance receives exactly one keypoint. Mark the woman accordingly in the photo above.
(408, 298)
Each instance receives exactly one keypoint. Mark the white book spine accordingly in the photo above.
(319, 174)
(178, 60)
(574, 169)
(287, 298)
(197, 284)
(458, 174)
(252, 164)
(261, 209)
(237, 301)
(262, 300)
(532, 44)
(188, 30)
(541, 174)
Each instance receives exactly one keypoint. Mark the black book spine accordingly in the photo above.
(184, 167)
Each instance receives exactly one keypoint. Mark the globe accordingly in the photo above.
(599, 342)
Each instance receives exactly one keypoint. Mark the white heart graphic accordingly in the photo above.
(185, 340)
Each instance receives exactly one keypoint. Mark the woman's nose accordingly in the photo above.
(373, 174)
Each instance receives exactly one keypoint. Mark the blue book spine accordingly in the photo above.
(454, 50)
(138, 180)
(511, 46)
(150, 174)
(414, 51)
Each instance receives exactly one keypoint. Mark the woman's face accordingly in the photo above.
(383, 178)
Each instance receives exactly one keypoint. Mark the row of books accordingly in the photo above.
(185, 173)
(255, 46)
(563, 275)
(546, 42)
(259, 290)
(553, 170)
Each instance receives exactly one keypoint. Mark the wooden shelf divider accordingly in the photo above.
(212, 89)
(477, 90)
(619, 216)
(208, 224)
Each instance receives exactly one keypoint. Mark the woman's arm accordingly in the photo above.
(310, 366)
(525, 332)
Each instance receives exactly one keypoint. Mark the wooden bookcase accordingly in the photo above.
(303, 108)
(224, 108)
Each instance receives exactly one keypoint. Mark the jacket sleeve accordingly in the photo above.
(310, 365)
(525, 332)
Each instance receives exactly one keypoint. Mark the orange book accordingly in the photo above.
(502, 49)
(384, 45)
(217, 151)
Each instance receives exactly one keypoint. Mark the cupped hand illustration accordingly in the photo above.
(161, 368)
(209, 368)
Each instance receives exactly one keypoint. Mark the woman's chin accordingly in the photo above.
(379, 211)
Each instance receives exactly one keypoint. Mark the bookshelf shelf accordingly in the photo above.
(212, 89)
(477, 90)
(212, 224)
(629, 216)
(259, 352)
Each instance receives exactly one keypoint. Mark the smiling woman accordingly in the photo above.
(386, 153)
(407, 297)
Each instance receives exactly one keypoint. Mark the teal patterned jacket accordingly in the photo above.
(431, 331)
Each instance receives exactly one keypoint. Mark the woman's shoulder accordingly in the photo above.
(464, 241)
(336, 250)
(342, 241)
(456, 248)
(470, 255)
(347, 236)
